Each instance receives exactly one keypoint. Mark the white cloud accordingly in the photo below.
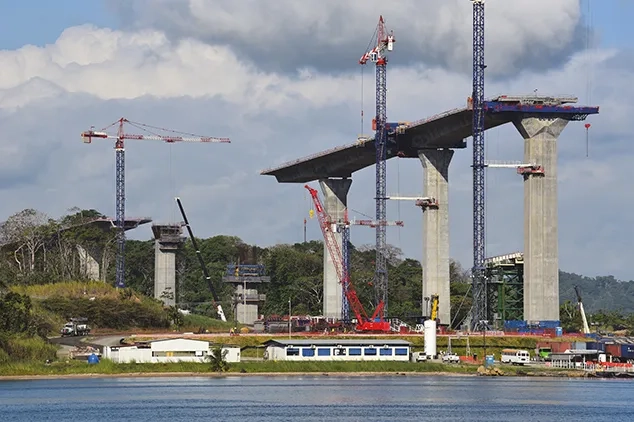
(93, 76)
(331, 34)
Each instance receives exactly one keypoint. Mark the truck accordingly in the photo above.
(451, 358)
(75, 327)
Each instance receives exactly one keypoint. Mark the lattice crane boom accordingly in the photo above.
(120, 137)
(378, 55)
(479, 311)
(328, 229)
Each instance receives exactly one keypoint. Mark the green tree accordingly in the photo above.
(570, 317)
(217, 359)
(15, 313)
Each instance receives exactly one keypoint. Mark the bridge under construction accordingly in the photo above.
(539, 120)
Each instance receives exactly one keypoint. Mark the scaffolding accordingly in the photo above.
(505, 274)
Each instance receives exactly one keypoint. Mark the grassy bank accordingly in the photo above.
(108, 368)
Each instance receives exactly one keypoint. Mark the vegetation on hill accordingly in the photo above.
(38, 256)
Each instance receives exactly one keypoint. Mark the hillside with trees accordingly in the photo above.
(39, 250)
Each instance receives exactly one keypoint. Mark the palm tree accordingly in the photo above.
(217, 359)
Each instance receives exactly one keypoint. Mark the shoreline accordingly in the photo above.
(275, 374)
(228, 374)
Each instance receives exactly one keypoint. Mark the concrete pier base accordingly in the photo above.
(88, 264)
(247, 304)
(167, 241)
(541, 250)
(436, 228)
(335, 192)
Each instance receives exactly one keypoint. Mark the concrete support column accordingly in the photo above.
(88, 264)
(168, 240)
(164, 275)
(335, 193)
(541, 250)
(436, 228)
(247, 304)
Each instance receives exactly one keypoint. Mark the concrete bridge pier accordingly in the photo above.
(436, 227)
(335, 193)
(167, 241)
(88, 263)
(541, 250)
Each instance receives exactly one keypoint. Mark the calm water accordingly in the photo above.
(318, 398)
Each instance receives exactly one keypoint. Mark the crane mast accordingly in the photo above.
(120, 207)
(345, 250)
(89, 135)
(378, 55)
(479, 311)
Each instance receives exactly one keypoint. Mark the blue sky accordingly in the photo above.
(40, 22)
(291, 87)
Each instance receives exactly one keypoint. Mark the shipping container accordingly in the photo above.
(549, 324)
(627, 351)
(580, 345)
(514, 324)
(613, 349)
(560, 346)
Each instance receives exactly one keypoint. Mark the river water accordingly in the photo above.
(317, 398)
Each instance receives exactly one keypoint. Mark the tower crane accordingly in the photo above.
(378, 55)
(119, 137)
(479, 311)
(376, 323)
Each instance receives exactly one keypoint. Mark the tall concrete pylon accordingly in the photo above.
(541, 247)
(335, 192)
(168, 238)
(436, 228)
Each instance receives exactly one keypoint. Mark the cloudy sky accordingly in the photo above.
(281, 79)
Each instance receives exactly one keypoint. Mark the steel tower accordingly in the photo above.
(378, 55)
(479, 310)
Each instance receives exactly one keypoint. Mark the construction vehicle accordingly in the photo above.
(216, 300)
(586, 328)
(75, 327)
(450, 356)
(377, 322)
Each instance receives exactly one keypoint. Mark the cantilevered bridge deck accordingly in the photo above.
(445, 130)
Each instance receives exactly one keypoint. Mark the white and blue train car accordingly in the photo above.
(338, 350)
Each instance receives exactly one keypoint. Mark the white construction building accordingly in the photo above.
(338, 350)
(168, 350)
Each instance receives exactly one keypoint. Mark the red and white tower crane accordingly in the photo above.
(378, 55)
(119, 138)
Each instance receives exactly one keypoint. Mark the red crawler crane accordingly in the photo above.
(365, 324)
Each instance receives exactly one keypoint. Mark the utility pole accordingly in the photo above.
(289, 318)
